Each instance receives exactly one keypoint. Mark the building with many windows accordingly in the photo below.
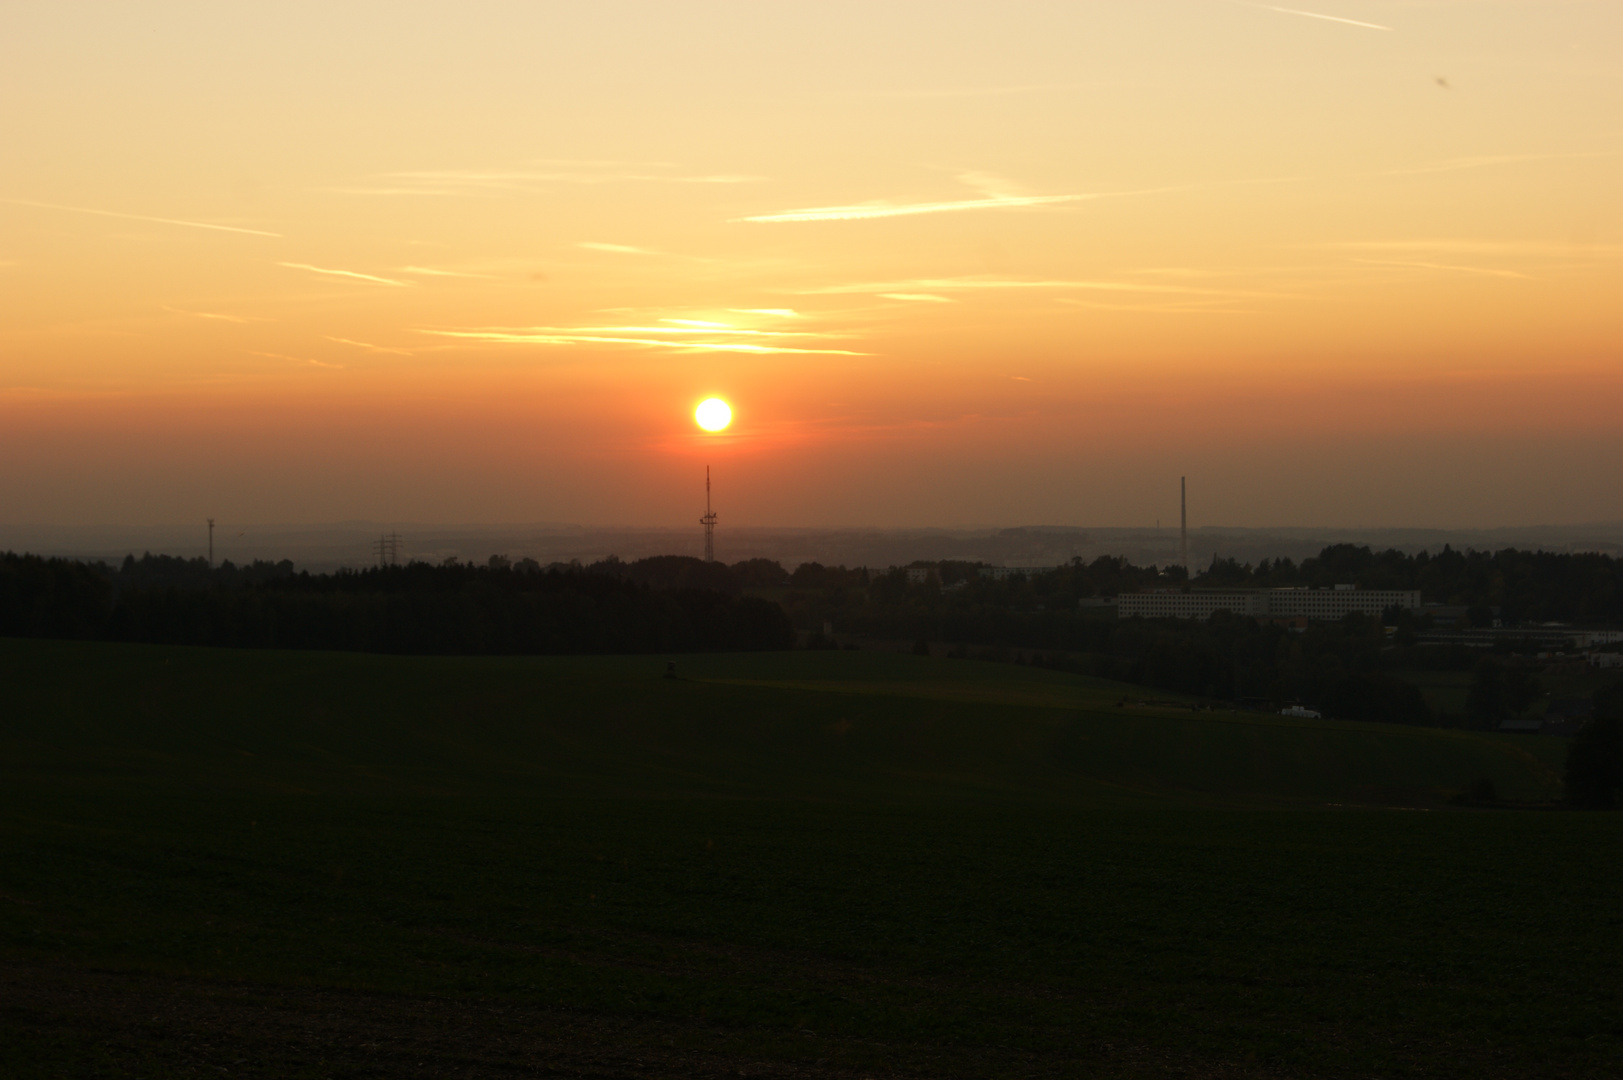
(1328, 605)
(1317, 605)
(1194, 604)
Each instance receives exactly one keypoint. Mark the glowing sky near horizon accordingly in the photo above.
(1351, 263)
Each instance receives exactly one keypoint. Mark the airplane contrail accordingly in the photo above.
(139, 217)
(1329, 18)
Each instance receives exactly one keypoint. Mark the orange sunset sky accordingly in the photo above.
(1342, 263)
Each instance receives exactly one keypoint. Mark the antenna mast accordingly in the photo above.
(211, 543)
(1183, 513)
(708, 521)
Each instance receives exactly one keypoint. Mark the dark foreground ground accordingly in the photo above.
(297, 865)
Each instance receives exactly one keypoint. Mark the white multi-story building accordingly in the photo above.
(1328, 605)
(1195, 604)
(1319, 605)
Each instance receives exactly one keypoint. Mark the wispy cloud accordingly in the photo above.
(1487, 161)
(648, 337)
(509, 181)
(682, 326)
(1444, 266)
(869, 211)
(295, 359)
(924, 298)
(140, 217)
(779, 312)
(930, 286)
(996, 193)
(1328, 18)
(1536, 249)
(427, 271)
(1192, 307)
(346, 274)
(369, 346)
(972, 91)
(218, 316)
(614, 249)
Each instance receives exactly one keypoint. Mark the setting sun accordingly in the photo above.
(713, 414)
(1403, 312)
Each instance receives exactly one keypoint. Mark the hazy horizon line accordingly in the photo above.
(370, 523)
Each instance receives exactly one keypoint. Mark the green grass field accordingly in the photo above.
(803, 864)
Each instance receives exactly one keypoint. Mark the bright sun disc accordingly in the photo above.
(713, 414)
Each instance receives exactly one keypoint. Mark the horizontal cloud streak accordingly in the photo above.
(693, 327)
(369, 346)
(1191, 307)
(1488, 161)
(546, 336)
(480, 181)
(970, 91)
(346, 274)
(1329, 18)
(1445, 266)
(869, 211)
(141, 217)
(219, 317)
(295, 359)
(922, 286)
(616, 249)
(1485, 247)
(427, 271)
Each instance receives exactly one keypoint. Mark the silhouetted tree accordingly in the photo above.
(759, 573)
(1594, 777)
(1499, 692)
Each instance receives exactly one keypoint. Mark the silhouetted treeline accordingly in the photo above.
(449, 609)
(1513, 585)
(674, 603)
(1526, 586)
(956, 602)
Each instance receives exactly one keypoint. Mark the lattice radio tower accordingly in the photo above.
(387, 549)
(708, 521)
